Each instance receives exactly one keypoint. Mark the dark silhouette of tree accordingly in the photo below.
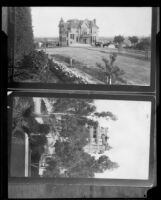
(23, 32)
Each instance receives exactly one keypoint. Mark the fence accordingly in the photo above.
(145, 55)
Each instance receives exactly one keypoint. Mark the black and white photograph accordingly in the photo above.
(81, 45)
(80, 138)
(80, 100)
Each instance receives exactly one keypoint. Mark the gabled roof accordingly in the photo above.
(75, 23)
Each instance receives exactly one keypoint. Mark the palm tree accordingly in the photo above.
(112, 72)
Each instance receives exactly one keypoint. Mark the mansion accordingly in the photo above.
(98, 140)
(77, 31)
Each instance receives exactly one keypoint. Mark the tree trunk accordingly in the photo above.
(109, 81)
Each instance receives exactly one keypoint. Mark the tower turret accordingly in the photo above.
(61, 22)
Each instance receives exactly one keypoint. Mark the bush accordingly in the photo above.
(144, 44)
(33, 66)
(64, 73)
(35, 60)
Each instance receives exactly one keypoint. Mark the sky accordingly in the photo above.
(129, 138)
(111, 21)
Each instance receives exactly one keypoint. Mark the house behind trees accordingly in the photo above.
(98, 140)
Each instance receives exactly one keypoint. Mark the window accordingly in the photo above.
(61, 126)
(72, 36)
(133, 49)
(61, 133)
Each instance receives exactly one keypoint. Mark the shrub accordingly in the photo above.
(65, 73)
(112, 72)
(34, 66)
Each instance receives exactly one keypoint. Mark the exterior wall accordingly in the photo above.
(84, 29)
(49, 188)
(20, 156)
(94, 35)
(72, 36)
(62, 36)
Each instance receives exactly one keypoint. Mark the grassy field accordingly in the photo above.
(137, 71)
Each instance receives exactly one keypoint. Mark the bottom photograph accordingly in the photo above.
(80, 138)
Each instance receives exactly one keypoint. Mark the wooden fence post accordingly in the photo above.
(71, 62)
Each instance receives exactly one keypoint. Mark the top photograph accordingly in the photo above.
(92, 46)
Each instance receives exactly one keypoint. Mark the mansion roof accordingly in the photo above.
(75, 23)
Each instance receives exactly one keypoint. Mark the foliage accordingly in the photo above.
(70, 159)
(38, 140)
(106, 114)
(24, 120)
(35, 60)
(75, 106)
(43, 129)
(104, 163)
(22, 109)
(112, 72)
(64, 73)
(76, 163)
(144, 44)
(95, 72)
(118, 39)
(34, 65)
(133, 39)
(23, 32)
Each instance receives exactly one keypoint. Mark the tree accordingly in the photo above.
(113, 72)
(24, 122)
(133, 40)
(144, 44)
(70, 159)
(23, 32)
(118, 39)
(77, 163)
(104, 163)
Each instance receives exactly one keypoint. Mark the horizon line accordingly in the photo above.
(98, 36)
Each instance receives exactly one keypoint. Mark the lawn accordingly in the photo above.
(137, 71)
